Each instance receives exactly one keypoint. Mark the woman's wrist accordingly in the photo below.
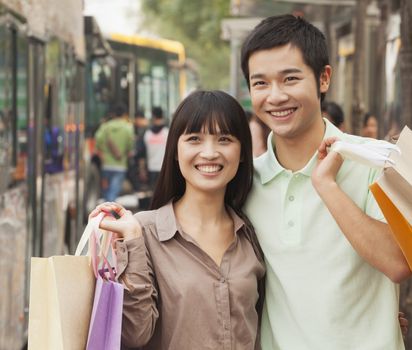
(132, 234)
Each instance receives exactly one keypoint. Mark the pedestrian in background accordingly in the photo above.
(138, 178)
(332, 262)
(334, 113)
(154, 144)
(114, 144)
(192, 269)
(260, 133)
(370, 126)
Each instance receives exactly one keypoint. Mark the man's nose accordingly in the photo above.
(277, 94)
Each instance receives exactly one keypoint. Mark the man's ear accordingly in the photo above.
(325, 79)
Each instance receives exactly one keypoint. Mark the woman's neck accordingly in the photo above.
(203, 209)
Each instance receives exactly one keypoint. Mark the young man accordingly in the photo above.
(332, 264)
(114, 143)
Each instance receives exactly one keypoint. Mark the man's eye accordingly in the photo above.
(291, 78)
(257, 83)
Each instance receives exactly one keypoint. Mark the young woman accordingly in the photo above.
(192, 268)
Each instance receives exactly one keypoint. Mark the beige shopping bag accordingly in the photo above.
(61, 300)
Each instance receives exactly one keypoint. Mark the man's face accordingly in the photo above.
(284, 91)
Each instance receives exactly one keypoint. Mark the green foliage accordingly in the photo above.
(197, 24)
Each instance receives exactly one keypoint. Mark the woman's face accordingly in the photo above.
(208, 162)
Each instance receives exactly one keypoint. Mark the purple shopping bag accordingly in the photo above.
(106, 320)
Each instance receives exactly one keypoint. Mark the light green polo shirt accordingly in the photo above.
(320, 294)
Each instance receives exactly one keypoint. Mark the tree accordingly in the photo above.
(196, 24)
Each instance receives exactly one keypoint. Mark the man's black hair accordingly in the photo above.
(157, 112)
(119, 110)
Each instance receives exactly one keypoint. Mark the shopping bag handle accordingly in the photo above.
(90, 227)
(94, 247)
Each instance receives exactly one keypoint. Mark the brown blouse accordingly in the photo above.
(177, 298)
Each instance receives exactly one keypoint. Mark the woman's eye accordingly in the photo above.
(193, 138)
(225, 139)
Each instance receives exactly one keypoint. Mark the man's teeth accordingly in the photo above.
(282, 113)
(209, 168)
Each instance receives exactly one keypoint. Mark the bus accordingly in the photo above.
(58, 77)
(139, 73)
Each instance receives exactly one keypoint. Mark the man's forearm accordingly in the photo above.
(371, 238)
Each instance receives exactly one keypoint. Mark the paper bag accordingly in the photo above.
(106, 321)
(61, 299)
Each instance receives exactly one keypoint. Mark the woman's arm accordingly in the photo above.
(135, 272)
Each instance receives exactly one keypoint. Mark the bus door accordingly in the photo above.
(125, 89)
(16, 181)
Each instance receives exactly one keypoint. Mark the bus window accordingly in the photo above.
(99, 93)
(20, 173)
(174, 93)
(144, 91)
(5, 107)
(55, 109)
(70, 113)
(160, 82)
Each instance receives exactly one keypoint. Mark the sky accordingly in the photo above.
(115, 16)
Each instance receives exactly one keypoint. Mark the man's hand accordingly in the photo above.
(327, 167)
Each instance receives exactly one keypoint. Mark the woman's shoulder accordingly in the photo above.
(159, 222)
(147, 217)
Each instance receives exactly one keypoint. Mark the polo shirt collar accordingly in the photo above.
(167, 226)
(268, 167)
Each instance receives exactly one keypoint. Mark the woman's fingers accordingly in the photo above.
(118, 220)
(108, 208)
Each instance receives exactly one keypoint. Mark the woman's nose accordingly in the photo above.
(209, 151)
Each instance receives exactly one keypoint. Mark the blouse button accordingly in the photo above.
(222, 280)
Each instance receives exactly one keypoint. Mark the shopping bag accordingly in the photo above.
(393, 188)
(393, 193)
(61, 300)
(106, 320)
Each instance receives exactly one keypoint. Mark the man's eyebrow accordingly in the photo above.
(282, 72)
(290, 70)
(256, 76)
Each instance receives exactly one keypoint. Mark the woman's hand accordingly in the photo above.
(125, 227)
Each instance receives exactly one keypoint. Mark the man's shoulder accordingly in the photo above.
(355, 138)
